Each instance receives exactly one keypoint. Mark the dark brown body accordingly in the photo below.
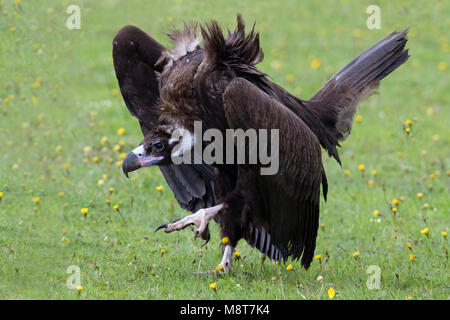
(220, 85)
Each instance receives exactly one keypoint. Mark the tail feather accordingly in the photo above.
(337, 101)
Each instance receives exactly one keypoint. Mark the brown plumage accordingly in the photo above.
(220, 85)
(138, 62)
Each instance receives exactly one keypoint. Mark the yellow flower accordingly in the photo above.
(394, 210)
(289, 77)
(116, 207)
(1, 195)
(225, 240)
(108, 202)
(408, 122)
(213, 286)
(442, 66)
(237, 254)
(409, 245)
(36, 200)
(347, 172)
(58, 149)
(114, 92)
(436, 138)
(395, 201)
(104, 140)
(361, 167)
(331, 293)
(374, 172)
(61, 194)
(121, 131)
(410, 298)
(432, 176)
(100, 183)
(408, 130)
(122, 156)
(162, 251)
(159, 188)
(425, 231)
(84, 211)
(319, 257)
(87, 150)
(371, 183)
(111, 190)
(12, 29)
(219, 268)
(119, 163)
(95, 159)
(79, 289)
(315, 63)
(289, 267)
(412, 256)
(116, 147)
(65, 240)
(443, 233)
(359, 118)
(356, 254)
(376, 213)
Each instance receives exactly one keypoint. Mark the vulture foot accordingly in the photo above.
(200, 219)
(227, 260)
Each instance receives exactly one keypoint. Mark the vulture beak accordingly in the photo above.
(137, 159)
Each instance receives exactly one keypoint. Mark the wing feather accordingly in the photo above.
(135, 54)
(291, 197)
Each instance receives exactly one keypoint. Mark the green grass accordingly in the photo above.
(75, 103)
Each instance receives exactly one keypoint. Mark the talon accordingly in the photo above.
(207, 240)
(176, 220)
(195, 235)
(161, 227)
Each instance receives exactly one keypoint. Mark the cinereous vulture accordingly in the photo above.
(212, 79)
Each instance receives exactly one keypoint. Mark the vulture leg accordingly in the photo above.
(227, 259)
(200, 219)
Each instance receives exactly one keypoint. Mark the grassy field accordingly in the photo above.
(64, 126)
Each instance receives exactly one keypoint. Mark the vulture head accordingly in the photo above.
(156, 149)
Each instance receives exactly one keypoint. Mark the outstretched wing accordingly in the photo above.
(135, 54)
(337, 101)
(291, 197)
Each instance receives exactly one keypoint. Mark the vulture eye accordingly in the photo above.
(158, 146)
